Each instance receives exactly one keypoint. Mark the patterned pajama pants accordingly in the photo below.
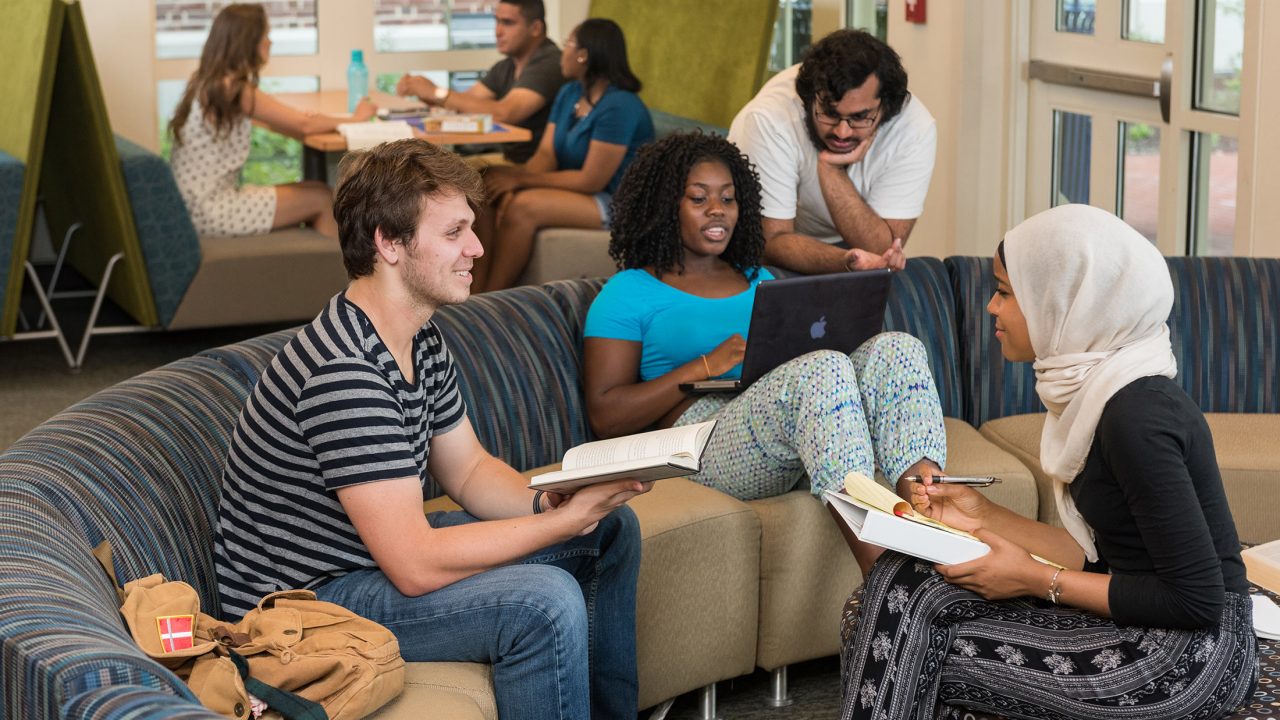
(919, 647)
(823, 415)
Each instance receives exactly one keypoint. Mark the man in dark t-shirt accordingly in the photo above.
(517, 90)
(358, 419)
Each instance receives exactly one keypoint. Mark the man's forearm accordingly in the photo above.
(803, 254)
(468, 103)
(494, 490)
(857, 223)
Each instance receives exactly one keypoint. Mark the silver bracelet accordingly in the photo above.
(1055, 591)
(537, 504)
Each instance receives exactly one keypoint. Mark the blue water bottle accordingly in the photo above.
(357, 80)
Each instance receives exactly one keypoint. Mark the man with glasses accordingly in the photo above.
(845, 155)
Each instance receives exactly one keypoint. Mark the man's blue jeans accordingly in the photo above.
(559, 628)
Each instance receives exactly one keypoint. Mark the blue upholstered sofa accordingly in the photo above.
(725, 586)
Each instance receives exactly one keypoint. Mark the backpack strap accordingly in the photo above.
(291, 706)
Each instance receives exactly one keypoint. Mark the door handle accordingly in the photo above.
(1166, 87)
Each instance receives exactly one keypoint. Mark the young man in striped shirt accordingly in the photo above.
(359, 417)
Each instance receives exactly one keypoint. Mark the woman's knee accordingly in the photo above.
(523, 208)
(822, 365)
(892, 349)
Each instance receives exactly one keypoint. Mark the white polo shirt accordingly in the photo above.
(893, 178)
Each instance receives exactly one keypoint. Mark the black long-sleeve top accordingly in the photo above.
(1151, 490)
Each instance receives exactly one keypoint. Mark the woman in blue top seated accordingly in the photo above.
(687, 236)
(596, 125)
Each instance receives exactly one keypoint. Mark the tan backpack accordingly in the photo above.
(291, 642)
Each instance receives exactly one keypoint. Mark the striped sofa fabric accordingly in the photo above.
(921, 304)
(138, 464)
(1224, 327)
(994, 387)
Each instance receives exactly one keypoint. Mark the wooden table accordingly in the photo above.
(334, 102)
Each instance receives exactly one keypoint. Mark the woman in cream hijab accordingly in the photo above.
(1149, 615)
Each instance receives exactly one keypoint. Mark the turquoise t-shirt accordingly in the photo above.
(672, 326)
(619, 118)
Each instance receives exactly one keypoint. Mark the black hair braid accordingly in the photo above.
(646, 207)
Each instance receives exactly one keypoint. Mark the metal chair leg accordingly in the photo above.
(52, 290)
(56, 330)
(660, 712)
(97, 306)
(780, 696)
(707, 703)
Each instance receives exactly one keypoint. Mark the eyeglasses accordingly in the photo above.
(864, 119)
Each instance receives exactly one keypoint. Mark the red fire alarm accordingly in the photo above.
(915, 11)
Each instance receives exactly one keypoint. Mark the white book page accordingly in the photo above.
(364, 135)
(1268, 552)
(688, 440)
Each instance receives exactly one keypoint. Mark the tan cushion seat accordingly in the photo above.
(1245, 457)
(282, 276)
(458, 691)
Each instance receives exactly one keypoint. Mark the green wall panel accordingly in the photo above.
(701, 59)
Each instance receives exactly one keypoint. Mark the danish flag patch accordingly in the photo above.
(176, 632)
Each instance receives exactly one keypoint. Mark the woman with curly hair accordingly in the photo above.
(687, 238)
(211, 136)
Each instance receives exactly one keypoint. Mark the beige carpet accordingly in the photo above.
(35, 382)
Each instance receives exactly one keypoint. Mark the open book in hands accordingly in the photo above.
(673, 452)
(879, 517)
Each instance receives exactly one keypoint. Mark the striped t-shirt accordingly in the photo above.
(331, 410)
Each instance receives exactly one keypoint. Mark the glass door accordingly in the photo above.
(1135, 107)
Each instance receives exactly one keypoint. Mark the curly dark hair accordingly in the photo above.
(842, 61)
(646, 207)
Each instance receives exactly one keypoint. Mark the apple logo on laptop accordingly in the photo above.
(819, 328)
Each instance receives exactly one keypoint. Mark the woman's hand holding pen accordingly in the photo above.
(959, 506)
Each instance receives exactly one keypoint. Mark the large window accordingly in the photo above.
(418, 25)
(792, 33)
(1115, 120)
(182, 26)
(436, 38)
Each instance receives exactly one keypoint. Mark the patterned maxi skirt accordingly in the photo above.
(917, 646)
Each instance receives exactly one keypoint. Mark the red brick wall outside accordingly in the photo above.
(177, 15)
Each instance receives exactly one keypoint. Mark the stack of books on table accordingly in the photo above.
(459, 123)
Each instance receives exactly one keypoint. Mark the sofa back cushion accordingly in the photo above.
(519, 359)
(921, 304)
(1225, 328)
(993, 386)
(139, 464)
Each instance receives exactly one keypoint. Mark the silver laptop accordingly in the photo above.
(797, 315)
